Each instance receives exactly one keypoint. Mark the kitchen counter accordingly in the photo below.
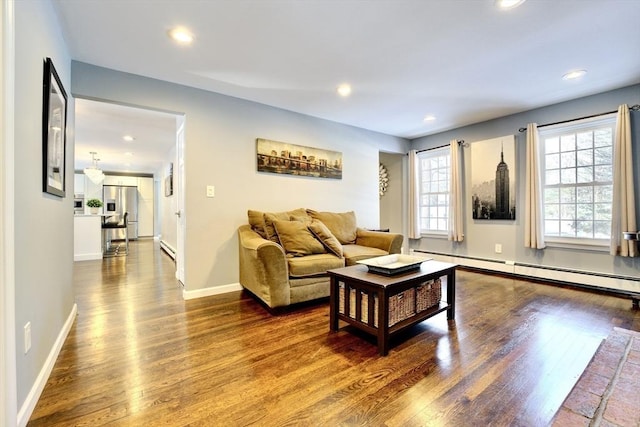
(87, 237)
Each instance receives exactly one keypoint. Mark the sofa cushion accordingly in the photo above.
(313, 265)
(323, 234)
(256, 220)
(296, 239)
(353, 253)
(342, 225)
(270, 217)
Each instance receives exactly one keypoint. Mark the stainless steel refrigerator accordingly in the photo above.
(119, 199)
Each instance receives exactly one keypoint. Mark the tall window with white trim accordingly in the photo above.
(433, 174)
(577, 179)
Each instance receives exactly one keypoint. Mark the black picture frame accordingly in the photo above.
(54, 132)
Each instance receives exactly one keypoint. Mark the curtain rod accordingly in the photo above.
(633, 108)
(460, 141)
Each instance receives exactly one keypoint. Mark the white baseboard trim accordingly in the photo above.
(36, 390)
(577, 277)
(170, 250)
(87, 257)
(215, 290)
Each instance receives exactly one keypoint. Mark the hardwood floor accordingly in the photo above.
(138, 354)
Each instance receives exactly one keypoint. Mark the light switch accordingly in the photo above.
(211, 191)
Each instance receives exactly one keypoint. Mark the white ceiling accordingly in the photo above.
(462, 61)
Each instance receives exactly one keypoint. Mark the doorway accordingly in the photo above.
(135, 147)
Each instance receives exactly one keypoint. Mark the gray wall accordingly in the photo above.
(481, 236)
(220, 150)
(391, 203)
(43, 223)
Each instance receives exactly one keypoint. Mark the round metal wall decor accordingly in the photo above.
(383, 179)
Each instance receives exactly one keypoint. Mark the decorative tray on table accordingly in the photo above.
(390, 265)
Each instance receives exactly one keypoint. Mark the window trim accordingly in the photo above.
(592, 244)
(430, 153)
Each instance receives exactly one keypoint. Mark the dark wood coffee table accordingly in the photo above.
(376, 290)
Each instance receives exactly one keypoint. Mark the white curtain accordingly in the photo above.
(623, 215)
(455, 194)
(533, 227)
(414, 207)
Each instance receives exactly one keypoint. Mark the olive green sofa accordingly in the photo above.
(284, 256)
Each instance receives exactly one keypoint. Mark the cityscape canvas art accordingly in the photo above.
(291, 159)
(493, 194)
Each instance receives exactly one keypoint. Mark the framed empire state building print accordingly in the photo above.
(493, 194)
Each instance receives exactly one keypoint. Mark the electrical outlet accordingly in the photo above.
(498, 248)
(211, 191)
(27, 337)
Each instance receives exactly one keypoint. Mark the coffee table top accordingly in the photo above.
(361, 272)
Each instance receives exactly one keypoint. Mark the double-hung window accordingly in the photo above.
(577, 180)
(434, 170)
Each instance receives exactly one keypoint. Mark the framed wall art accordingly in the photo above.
(493, 183)
(54, 127)
(291, 159)
(168, 182)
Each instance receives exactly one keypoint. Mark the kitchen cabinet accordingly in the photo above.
(120, 180)
(78, 183)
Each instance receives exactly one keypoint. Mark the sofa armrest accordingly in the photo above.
(390, 242)
(263, 268)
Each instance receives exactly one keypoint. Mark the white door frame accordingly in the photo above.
(180, 199)
(8, 388)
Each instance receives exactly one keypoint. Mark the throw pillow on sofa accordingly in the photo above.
(342, 225)
(296, 239)
(269, 218)
(323, 234)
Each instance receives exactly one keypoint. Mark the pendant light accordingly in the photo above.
(94, 173)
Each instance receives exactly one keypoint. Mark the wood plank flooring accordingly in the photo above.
(138, 354)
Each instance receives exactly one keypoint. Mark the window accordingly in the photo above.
(577, 180)
(434, 170)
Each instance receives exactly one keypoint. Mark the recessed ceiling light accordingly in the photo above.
(128, 154)
(344, 90)
(573, 75)
(128, 138)
(508, 4)
(181, 35)
(429, 118)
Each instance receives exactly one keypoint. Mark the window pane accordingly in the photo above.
(552, 161)
(585, 194)
(568, 142)
(552, 211)
(603, 193)
(552, 177)
(585, 174)
(603, 137)
(552, 228)
(603, 156)
(568, 195)
(552, 145)
(602, 211)
(584, 211)
(551, 195)
(568, 176)
(602, 229)
(584, 229)
(567, 212)
(585, 157)
(568, 160)
(567, 228)
(603, 173)
(585, 140)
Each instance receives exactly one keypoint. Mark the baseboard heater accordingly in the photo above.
(626, 286)
(168, 249)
